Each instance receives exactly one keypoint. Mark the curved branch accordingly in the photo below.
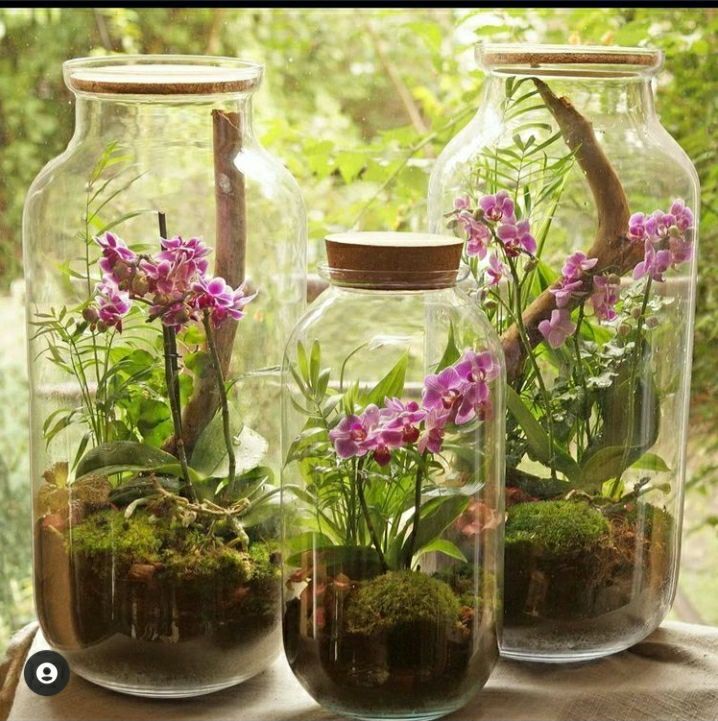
(614, 252)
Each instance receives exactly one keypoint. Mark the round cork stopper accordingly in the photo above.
(393, 261)
(162, 75)
(498, 56)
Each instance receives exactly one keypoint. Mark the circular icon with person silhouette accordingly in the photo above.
(46, 673)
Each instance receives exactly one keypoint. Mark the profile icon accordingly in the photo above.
(46, 673)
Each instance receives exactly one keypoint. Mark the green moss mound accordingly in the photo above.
(556, 527)
(400, 597)
(178, 552)
(109, 532)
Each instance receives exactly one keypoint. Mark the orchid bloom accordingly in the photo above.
(558, 328)
(516, 237)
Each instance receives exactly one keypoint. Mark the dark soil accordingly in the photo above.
(146, 609)
(582, 591)
(412, 667)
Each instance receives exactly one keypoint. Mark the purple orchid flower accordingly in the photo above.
(516, 237)
(404, 416)
(658, 224)
(477, 234)
(558, 328)
(498, 207)
(637, 226)
(382, 441)
(683, 216)
(443, 391)
(351, 434)
(462, 202)
(432, 437)
(495, 269)
(576, 265)
(654, 264)
(116, 256)
(476, 367)
(565, 291)
(112, 304)
(604, 297)
(476, 370)
(681, 250)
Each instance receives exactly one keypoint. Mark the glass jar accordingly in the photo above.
(579, 216)
(154, 431)
(393, 407)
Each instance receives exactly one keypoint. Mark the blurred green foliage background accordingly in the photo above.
(357, 103)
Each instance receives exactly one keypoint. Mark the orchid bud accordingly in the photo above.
(90, 314)
(140, 284)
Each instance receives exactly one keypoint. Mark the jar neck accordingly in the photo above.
(602, 99)
(98, 116)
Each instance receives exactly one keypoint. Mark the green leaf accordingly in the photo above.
(651, 462)
(537, 437)
(251, 449)
(451, 352)
(355, 561)
(307, 439)
(129, 457)
(441, 545)
(315, 359)
(296, 546)
(624, 437)
(209, 455)
(390, 386)
(350, 164)
(434, 516)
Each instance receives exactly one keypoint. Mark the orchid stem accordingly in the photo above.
(369, 523)
(169, 337)
(417, 509)
(214, 355)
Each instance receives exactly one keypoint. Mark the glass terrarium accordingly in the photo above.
(578, 212)
(154, 408)
(392, 500)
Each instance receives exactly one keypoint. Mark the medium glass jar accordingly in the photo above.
(393, 408)
(154, 412)
(579, 215)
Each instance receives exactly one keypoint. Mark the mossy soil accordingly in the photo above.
(568, 561)
(152, 578)
(396, 642)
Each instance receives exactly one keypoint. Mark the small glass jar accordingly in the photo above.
(579, 213)
(150, 578)
(392, 505)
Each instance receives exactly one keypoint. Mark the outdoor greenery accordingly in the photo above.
(357, 104)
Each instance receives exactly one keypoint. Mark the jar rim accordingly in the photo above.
(574, 60)
(398, 280)
(162, 75)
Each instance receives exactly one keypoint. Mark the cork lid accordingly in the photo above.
(161, 75)
(393, 261)
(592, 60)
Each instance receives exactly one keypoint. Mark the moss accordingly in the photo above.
(400, 597)
(185, 553)
(109, 532)
(556, 527)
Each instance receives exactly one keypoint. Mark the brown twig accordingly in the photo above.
(230, 252)
(614, 252)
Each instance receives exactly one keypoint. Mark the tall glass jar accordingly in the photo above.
(154, 413)
(393, 435)
(579, 215)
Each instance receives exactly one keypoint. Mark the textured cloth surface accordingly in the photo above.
(673, 674)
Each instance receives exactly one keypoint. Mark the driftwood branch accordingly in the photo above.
(614, 251)
(230, 256)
